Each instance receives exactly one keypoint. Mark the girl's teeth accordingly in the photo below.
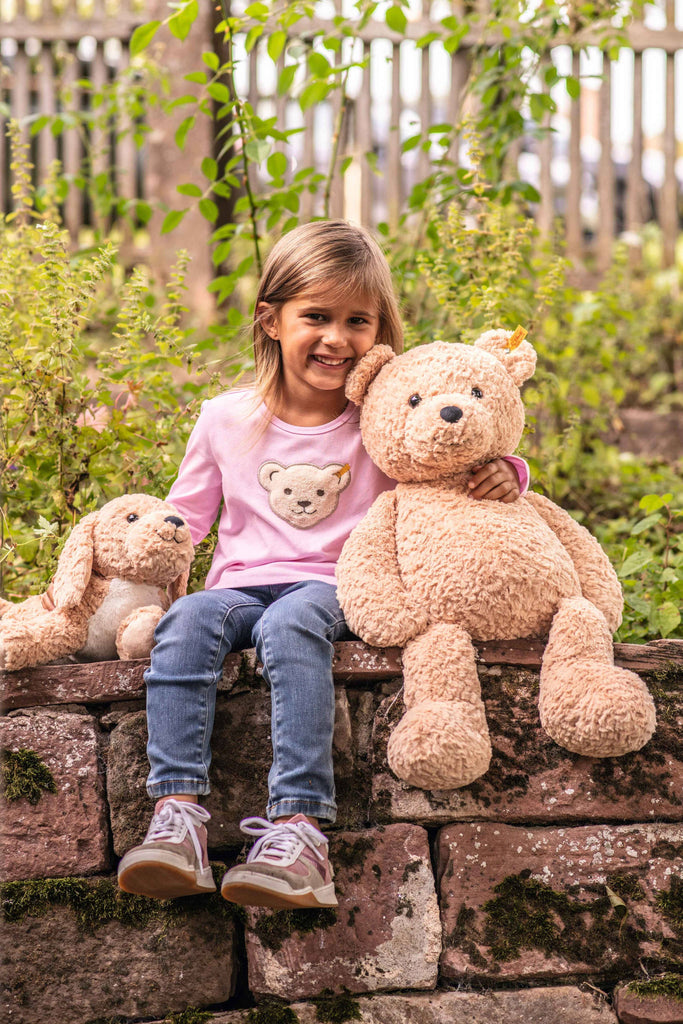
(330, 362)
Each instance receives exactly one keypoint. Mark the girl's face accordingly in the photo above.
(320, 339)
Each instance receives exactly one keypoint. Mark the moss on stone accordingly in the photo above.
(668, 986)
(627, 886)
(97, 903)
(192, 1015)
(336, 1009)
(351, 854)
(275, 928)
(271, 1011)
(670, 903)
(25, 776)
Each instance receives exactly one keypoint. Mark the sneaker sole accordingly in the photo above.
(267, 894)
(161, 880)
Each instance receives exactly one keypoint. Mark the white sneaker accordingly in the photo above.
(287, 866)
(172, 859)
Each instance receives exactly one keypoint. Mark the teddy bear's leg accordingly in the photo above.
(587, 704)
(135, 635)
(442, 741)
(39, 638)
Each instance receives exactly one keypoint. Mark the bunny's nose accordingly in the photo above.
(176, 520)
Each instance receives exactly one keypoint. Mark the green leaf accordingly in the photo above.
(653, 502)
(189, 190)
(182, 130)
(196, 76)
(257, 10)
(314, 92)
(220, 92)
(319, 65)
(277, 165)
(209, 210)
(635, 562)
(253, 36)
(182, 21)
(211, 60)
(286, 79)
(257, 150)
(395, 19)
(209, 168)
(573, 87)
(667, 617)
(645, 524)
(172, 220)
(276, 44)
(142, 36)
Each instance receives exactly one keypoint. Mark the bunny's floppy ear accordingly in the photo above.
(75, 564)
(178, 587)
(517, 356)
(365, 371)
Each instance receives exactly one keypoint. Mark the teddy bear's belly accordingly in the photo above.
(495, 568)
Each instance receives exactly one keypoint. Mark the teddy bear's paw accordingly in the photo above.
(440, 745)
(595, 709)
(3, 656)
(135, 635)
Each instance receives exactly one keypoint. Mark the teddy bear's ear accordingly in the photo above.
(178, 587)
(365, 371)
(75, 564)
(520, 361)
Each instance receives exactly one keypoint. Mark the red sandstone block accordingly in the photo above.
(544, 903)
(533, 780)
(385, 933)
(64, 833)
(647, 1009)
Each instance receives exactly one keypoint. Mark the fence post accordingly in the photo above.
(168, 166)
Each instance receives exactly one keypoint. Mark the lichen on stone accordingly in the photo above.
(273, 929)
(25, 776)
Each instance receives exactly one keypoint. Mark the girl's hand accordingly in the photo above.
(496, 481)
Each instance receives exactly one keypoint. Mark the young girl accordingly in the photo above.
(286, 461)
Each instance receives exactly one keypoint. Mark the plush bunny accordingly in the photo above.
(120, 569)
(431, 569)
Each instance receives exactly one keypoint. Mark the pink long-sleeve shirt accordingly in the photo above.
(288, 497)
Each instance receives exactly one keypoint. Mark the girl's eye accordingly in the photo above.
(477, 392)
(414, 400)
(132, 517)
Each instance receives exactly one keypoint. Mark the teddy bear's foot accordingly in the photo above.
(135, 635)
(440, 745)
(595, 709)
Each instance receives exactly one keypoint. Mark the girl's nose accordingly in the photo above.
(333, 334)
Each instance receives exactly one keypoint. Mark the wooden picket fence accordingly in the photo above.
(601, 185)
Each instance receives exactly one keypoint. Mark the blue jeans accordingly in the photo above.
(292, 626)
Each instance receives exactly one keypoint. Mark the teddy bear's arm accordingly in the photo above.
(369, 586)
(599, 582)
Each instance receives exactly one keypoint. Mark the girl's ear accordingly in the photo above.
(364, 372)
(75, 564)
(268, 319)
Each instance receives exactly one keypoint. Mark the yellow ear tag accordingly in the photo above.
(516, 338)
(340, 472)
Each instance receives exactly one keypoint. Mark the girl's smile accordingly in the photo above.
(321, 336)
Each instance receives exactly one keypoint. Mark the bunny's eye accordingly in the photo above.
(477, 392)
(132, 517)
(414, 400)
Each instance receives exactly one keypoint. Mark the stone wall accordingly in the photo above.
(535, 895)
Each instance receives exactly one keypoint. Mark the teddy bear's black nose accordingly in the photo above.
(304, 504)
(450, 413)
(175, 520)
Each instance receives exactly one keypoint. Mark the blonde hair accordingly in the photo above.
(330, 254)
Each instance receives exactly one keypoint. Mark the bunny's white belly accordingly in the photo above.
(122, 599)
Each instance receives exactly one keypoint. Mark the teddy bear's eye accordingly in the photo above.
(132, 517)
(414, 400)
(477, 392)
(320, 493)
(288, 490)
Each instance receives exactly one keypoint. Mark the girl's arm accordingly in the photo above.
(500, 480)
(198, 489)
(371, 593)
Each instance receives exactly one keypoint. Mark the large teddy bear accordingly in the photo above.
(431, 569)
(120, 569)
